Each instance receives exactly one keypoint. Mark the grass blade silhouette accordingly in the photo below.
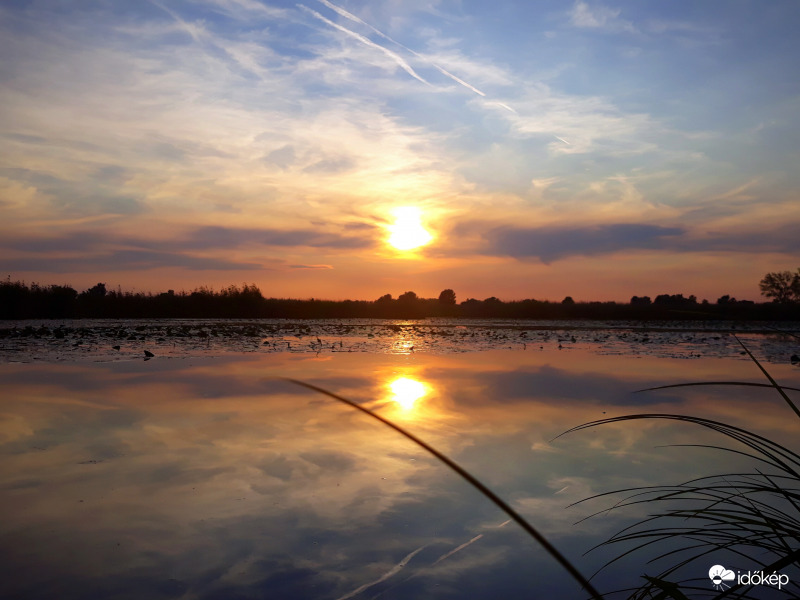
(774, 383)
(730, 512)
(472, 480)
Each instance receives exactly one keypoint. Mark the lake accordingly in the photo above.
(200, 472)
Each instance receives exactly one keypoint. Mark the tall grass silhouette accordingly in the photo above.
(472, 480)
(754, 515)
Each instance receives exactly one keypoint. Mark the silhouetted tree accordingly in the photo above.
(568, 301)
(60, 300)
(407, 298)
(448, 297)
(97, 291)
(781, 286)
(675, 300)
(21, 301)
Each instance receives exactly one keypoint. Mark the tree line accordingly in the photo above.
(19, 300)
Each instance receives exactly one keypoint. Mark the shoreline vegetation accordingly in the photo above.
(19, 300)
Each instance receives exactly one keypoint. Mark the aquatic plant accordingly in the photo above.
(753, 515)
(734, 512)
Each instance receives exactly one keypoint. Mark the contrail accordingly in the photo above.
(403, 64)
(192, 31)
(393, 571)
(355, 19)
(506, 106)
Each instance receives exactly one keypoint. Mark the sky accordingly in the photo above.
(592, 149)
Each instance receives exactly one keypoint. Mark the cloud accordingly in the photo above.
(552, 243)
(246, 9)
(598, 17)
(331, 165)
(443, 71)
(366, 41)
(236, 237)
(310, 266)
(549, 244)
(283, 157)
(197, 238)
(122, 260)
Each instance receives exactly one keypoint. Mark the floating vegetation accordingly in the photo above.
(95, 339)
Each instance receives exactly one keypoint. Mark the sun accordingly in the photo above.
(407, 231)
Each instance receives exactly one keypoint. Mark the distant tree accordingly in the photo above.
(448, 297)
(385, 298)
(568, 301)
(781, 286)
(60, 301)
(407, 297)
(675, 300)
(641, 301)
(97, 291)
(726, 299)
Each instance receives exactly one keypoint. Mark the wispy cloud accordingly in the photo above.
(229, 130)
(367, 42)
(212, 237)
(193, 30)
(443, 71)
(598, 17)
(311, 266)
(124, 260)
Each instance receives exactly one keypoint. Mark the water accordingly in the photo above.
(109, 339)
(201, 474)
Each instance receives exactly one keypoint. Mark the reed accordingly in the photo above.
(473, 481)
(754, 515)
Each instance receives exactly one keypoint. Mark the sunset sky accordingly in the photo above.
(592, 149)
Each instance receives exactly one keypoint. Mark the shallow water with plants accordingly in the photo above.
(200, 472)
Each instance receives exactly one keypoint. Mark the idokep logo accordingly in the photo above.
(719, 575)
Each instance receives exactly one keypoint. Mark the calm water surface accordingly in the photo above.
(204, 475)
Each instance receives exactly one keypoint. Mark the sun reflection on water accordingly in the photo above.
(407, 391)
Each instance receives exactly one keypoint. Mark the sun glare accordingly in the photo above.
(407, 231)
(407, 391)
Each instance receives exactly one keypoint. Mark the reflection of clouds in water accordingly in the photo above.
(423, 570)
(390, 573)
(216, 481)
(447, 555)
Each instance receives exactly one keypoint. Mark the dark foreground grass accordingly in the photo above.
(753, 515)
(472, 480)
